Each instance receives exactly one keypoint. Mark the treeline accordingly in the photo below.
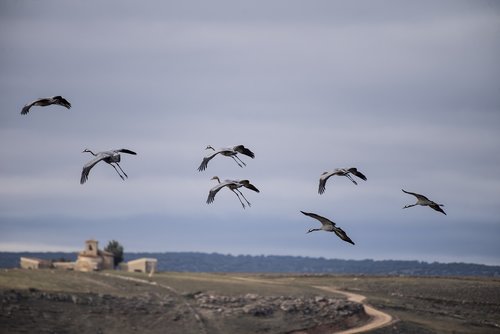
(214, 262)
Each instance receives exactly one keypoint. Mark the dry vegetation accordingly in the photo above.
(70, 302)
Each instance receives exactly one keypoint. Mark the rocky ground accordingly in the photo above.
(316, 314)
(159, 310)
(33, 311)
(51, 301)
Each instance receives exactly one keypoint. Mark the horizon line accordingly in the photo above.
(265, 255)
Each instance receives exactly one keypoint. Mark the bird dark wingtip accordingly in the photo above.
(124, 150)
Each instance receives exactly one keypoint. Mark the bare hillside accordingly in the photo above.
(48, 301)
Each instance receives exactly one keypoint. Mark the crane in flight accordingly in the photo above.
(340, 172)
(328, 226)
(111, 157)
(46, 101)
(231, 152)
(424, 201)
(232, 185)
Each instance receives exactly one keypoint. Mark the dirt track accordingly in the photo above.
(378, 318)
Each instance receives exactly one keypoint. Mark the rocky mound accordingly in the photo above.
(58, 312)
(316, 314)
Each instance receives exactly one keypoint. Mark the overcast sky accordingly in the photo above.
(406, 91)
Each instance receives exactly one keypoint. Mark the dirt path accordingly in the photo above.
(377, 318)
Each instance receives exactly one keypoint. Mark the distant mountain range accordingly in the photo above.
(214, 262)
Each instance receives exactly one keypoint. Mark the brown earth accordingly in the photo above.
(50, 301)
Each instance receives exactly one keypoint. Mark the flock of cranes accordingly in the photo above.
(113, 157)
(233, 185)
(326, 224)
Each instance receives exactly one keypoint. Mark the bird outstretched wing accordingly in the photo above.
(88, 166)
(416, 195)
(437, 207)
(342, 235)
(124, 150)
(337, 171)
(323, 220)
(355, 171)
(62, 101)
(247, 184)
(322, 181)
(243, 150)
(204, 162)
(27, 107)
(215, 190)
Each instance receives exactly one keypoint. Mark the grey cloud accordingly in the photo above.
(404, 91)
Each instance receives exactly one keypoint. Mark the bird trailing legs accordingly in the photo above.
(350, 178)
(121, 170)
(235, 158)
(244, 197)
(236, 193)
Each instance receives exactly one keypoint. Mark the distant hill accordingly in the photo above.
(214, 262)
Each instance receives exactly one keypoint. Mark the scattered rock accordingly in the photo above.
(26, 308)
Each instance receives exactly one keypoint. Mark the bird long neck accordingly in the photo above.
(210, 147)
(216, 178)
(313, 229)
(87, 150)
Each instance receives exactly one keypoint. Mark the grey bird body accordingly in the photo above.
(46, 101)
(328, 226)
(232, 185)
(424, 201)
(231, 152)
(111, 157)
(340, 172)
